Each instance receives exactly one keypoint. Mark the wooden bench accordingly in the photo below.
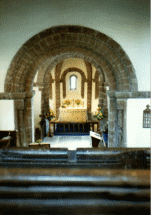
(116, 158)
(77, 191)
(56, 181)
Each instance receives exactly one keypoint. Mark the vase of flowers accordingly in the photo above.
(49, 114)
(78, 101)
(99, 114)
(67, 102)
(39, 141)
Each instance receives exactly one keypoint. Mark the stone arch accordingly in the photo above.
(77, 37)
(61, 42)
(96, 80)
(50, 87)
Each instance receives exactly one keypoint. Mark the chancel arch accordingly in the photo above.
(59, 43)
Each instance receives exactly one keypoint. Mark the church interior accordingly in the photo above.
(73, 93)
(75, 113)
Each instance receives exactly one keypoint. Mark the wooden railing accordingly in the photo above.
(74, 127)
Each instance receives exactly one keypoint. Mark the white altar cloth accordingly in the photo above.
(70, 114)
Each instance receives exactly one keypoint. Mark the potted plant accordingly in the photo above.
(99, 114)
(67, 102)
(39, 141)
(78, 101)
(49, 114)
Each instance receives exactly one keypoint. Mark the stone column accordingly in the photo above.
(57, 87)
(121, 122)
(117, 118)
(19, 122)
(89, 92)
(57, 96)
(103, 105)
(44, 107)
(105, 102)
(29, 121)
(42, 101)
(102, 96)
(89, 97)
(112, 122)
(117, 123)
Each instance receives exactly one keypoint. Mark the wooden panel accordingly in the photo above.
(77, 191)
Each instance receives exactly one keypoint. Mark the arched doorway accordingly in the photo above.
(48, 49)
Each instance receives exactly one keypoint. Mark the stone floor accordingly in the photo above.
(70, 142)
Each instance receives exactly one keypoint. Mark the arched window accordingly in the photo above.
(73, 82)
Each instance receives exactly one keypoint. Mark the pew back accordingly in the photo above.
(82, 182)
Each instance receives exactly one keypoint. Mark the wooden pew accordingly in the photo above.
(117, 158)
(33, 157)
(125, 158)
(58, 181)
(77, 191)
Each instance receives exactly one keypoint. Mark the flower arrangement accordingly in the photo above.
(78, 101)
(49, 114)
(67, 102)
(39, 141)
(99, 114)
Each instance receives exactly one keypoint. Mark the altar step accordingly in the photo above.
(70, 142)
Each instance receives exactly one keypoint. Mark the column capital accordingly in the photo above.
(30, 94)
(126, 95)
(19, 103)
(121, 104)
(16, 95)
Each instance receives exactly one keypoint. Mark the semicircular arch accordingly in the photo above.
(61, 42)
(55, 41)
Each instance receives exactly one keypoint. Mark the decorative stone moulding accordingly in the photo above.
(9, 96)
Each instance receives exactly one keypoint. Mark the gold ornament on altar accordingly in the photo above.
(99, 114)
(49, 114)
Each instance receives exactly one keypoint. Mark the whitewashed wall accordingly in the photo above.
(37, 107)
(137, 136)
(126, 21)
(7, 115)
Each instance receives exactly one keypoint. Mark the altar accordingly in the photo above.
(70, 114)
